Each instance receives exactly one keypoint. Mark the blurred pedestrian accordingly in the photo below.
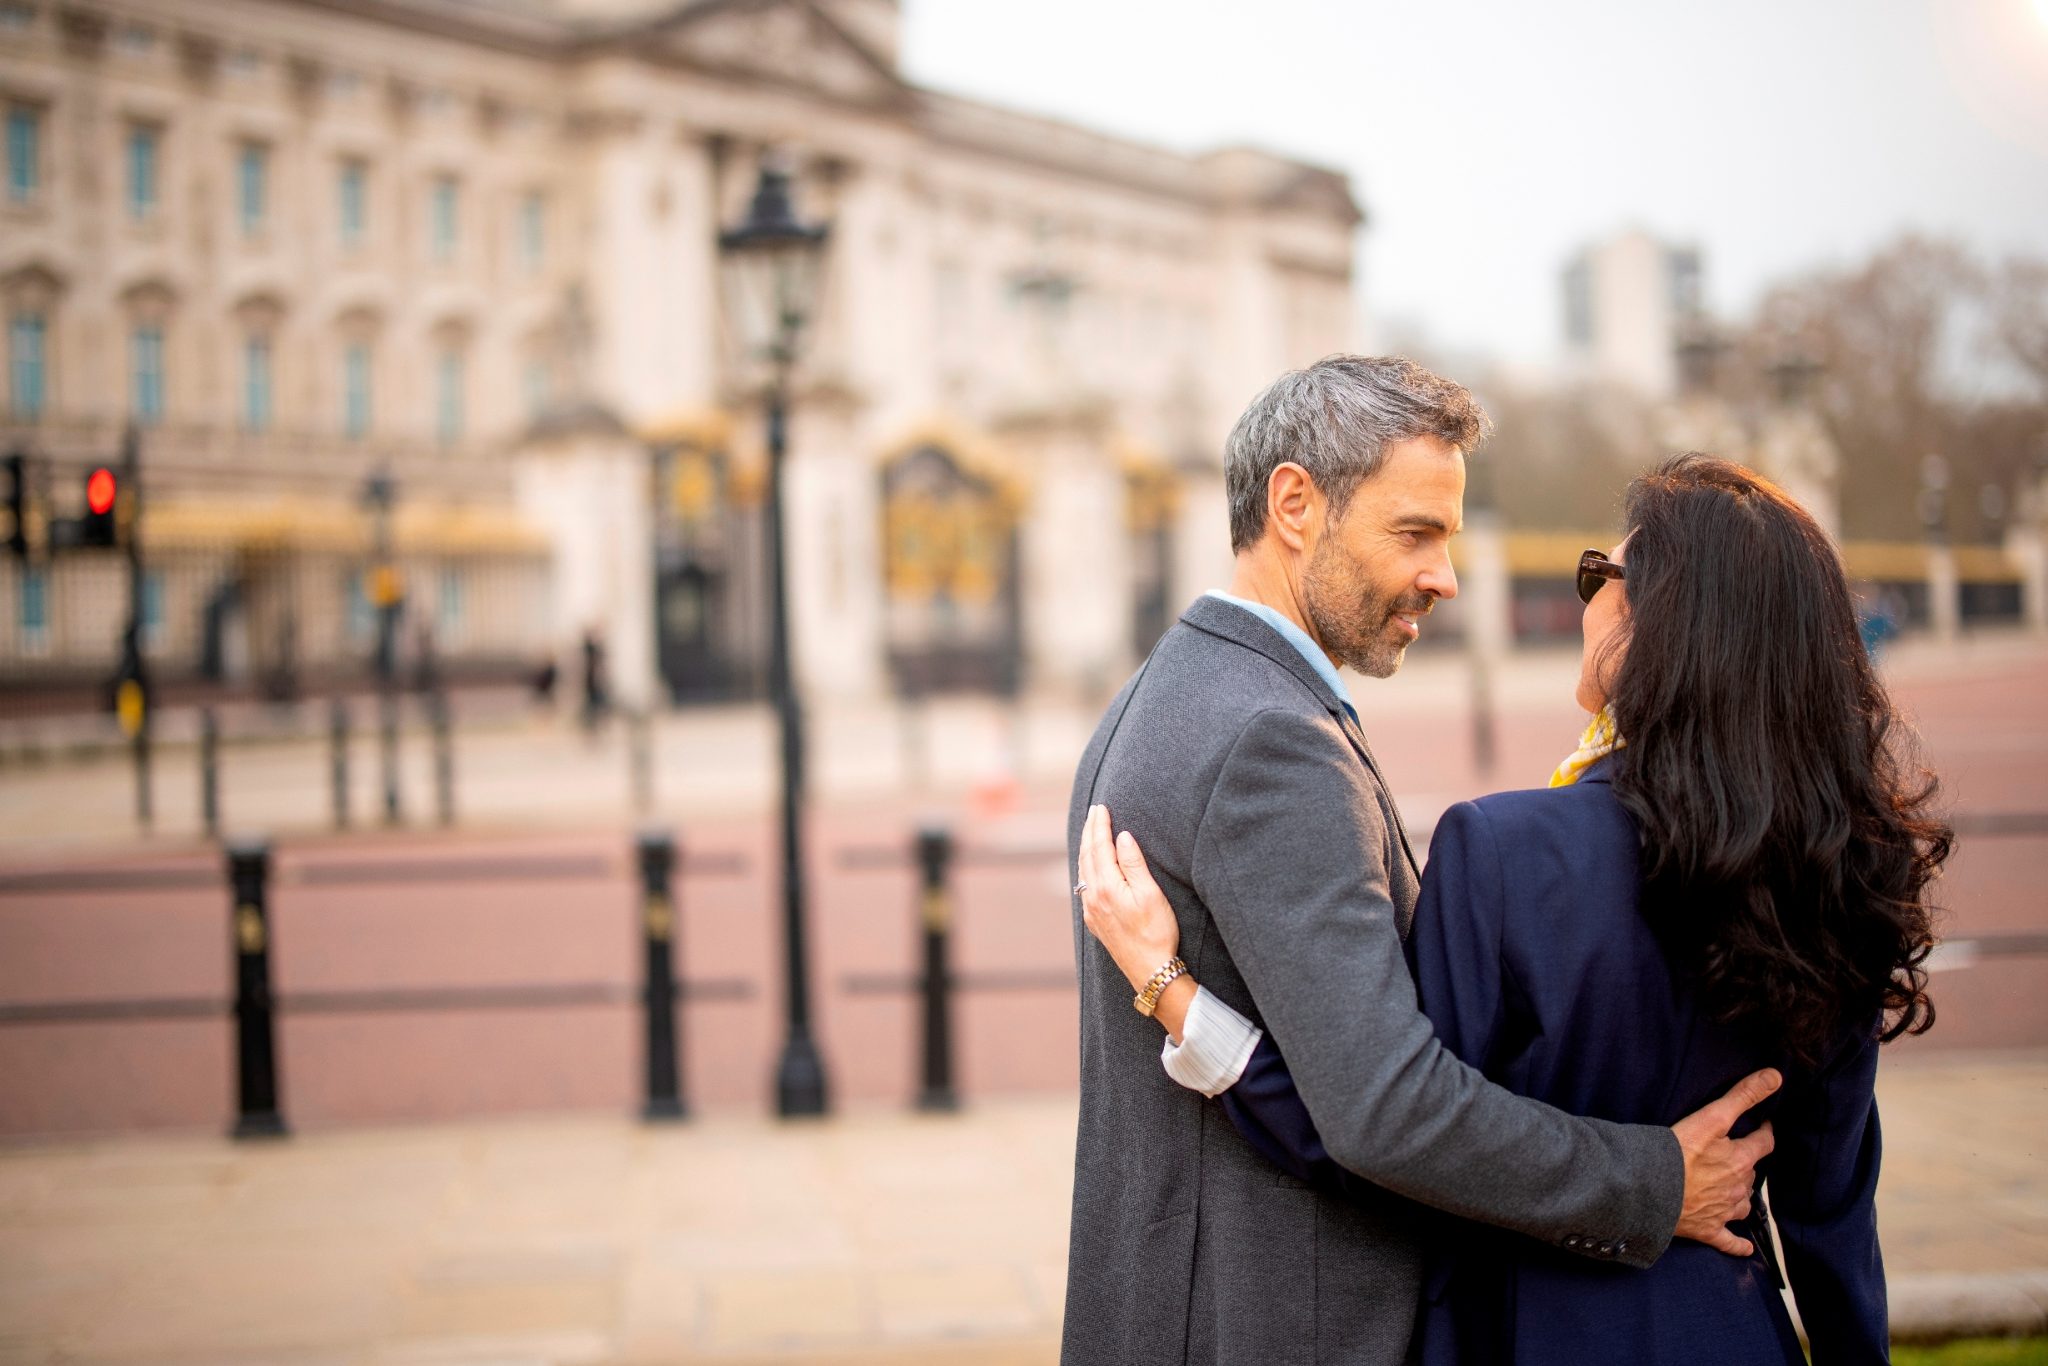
(1877, 621)
(426, 662)
(596, 694)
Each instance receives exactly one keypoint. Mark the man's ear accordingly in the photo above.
(1294, 505)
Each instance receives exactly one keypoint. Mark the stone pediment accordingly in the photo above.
(1319, 192)
(789, 42)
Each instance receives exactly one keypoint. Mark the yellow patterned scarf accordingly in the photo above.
(1596, 744)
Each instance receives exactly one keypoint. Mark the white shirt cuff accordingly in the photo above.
(1215, 1046)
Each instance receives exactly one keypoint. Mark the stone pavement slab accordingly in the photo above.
(876, 1237)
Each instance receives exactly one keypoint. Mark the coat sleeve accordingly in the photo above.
(1823, 1197)
(1266, 1109)
(1454, 955)
(1290, 862)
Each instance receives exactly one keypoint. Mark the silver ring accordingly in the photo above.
(1080, 887)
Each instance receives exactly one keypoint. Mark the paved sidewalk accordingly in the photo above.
(877, 1237)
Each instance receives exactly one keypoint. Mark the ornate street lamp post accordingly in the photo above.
(771, 264)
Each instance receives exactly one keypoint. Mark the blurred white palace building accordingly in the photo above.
(473, 246)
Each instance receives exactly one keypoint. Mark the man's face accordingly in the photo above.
(1378, 569)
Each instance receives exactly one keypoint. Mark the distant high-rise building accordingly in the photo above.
(1628, 302)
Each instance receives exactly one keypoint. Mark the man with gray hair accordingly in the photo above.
(1236, 759)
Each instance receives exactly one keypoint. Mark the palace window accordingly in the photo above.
(533, 224)
(146, 368)
(252, 184)
(353, 201)
(446, 203)
(27, 366)
(24, 153)
(355, 391)
(448, 397)
(256, 383)
(144, 146)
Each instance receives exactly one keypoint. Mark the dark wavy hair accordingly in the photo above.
(1787, 831)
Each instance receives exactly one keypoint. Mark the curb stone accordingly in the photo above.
(1939, 1306)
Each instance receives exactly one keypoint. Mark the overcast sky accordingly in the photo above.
(1486, 141)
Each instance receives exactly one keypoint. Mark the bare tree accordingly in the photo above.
(1922, 351)
(2019, 318)
(1881, 334)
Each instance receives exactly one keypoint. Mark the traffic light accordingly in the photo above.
(101, 490)
(17, 505)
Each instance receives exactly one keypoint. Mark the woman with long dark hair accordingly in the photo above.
(1729, 873)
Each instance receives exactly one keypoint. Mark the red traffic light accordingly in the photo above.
(99, 492)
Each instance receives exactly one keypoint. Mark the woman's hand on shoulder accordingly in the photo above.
(1121, 905)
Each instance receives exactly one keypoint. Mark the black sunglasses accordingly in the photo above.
(1596, 569)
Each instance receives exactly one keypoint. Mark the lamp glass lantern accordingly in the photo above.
(772, 266)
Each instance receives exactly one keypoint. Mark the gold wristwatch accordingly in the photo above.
(1147, 1000)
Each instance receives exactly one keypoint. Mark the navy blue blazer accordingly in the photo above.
(1536, 966)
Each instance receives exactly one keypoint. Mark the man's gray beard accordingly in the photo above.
(1340, 619)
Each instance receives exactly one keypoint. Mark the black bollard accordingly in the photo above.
(258, 1114)
(934, 860)
(444, 755)
(209, 773)
(337, 733)
(657, 850)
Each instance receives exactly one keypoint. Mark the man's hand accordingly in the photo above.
(1720, 1172)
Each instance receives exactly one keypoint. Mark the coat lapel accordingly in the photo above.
(1232, 623)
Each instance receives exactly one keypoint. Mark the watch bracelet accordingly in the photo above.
(1147, 1000)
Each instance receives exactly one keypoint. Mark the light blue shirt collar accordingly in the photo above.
(1299, 639)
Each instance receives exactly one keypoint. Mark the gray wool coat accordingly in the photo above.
(1270, 828)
